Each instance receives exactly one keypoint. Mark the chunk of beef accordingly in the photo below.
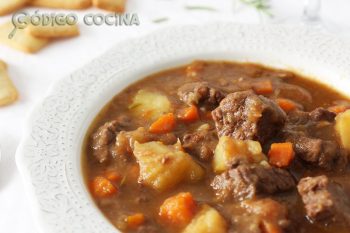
(301, 129)
(310, 118)
(324, 200)
(322, 114)
(201, 143)
(260, 216)
(317, 152)
(125, 140)
(245, 115)
(200, 92)
(105, 135)
(293, 92)
(246, 181)
(297, 118)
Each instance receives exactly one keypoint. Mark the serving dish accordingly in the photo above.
(49, 156)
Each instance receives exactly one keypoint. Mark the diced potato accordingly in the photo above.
(342, 126)
(207, 220)
(150, 105)
(229, 149)
(164, 166)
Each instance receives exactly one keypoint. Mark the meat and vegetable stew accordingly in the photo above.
(215, 147)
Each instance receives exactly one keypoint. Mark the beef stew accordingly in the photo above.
(222, 147)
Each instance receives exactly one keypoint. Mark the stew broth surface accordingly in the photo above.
(132, 196)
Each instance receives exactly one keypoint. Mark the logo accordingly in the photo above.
(22, 19)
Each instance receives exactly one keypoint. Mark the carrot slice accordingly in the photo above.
(164, 124)
(338, 108)
(136, 220)
(178, 210)
(286, 104)
(263, 87)
(207, 116)
(281, 154)
(112, 176)
(102, 187)
(190, 114)
(268, 227)
(134, 171)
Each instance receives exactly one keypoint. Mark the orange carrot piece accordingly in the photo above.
(134, 171)
(286, 104)
(281, 154)
(263, 87)
(178, 210)
(102, 187)
(268, 227)
(164, 124)
(190, 114)
(112, 175)
(338, 108)
(208, 116)
(136, 220)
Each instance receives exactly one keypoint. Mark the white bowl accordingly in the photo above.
(49, 156)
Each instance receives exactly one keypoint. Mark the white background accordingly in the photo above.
(33, 74)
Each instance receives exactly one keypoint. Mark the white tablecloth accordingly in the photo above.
(33, 74)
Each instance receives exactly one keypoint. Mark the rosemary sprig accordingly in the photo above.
(160, 20)
(205, 8)
(260, 5)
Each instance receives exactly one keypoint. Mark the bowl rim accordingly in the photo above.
(48, 157)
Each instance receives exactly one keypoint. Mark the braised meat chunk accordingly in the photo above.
(301, 129)
(201, 143)
(322, 114)
(321, 153)
(246, 181)
(104, 136)
(125, 140)
(324, 200)
(309, 119)
(292, 91)
(261, 216)
(245, 115)
(200, 92)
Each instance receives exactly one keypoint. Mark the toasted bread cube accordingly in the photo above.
(56, 31)
(21, 40)
(110, 5)
(64, 4)
(9, 6)
(8, 92)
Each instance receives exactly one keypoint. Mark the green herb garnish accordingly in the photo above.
(202, 8)
(160, 20)
(260, 5)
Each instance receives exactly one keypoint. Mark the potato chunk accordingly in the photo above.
(342, 126)
(207, 220)
(150, 105)
(164, 166)
(229, 149)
